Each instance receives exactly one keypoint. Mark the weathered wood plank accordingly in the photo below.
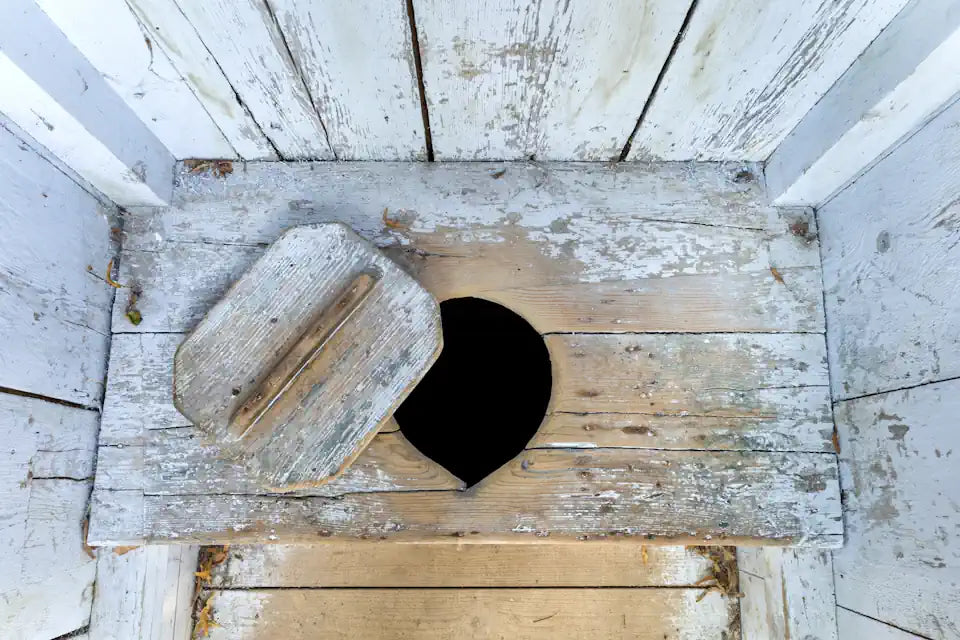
(347, 564)
(637, 614)
(791, 418)
(899, 473)
(735, 87)
(545, 496)
(144, 593)
(60, 99)
(46, 579)
(109, 36)
(177, 461)
(171, 32)
(54, 314)
(246, 42)
(363, 81)
(901, 80)
(788, 593)
(892, 242)
(507, 80)
(854, 625)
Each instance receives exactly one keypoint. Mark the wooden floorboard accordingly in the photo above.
(683, 316)
(637, 614)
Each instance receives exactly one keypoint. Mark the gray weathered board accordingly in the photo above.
(683, 317)
(295, 369)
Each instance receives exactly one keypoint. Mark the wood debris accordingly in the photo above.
(391, 223)
(121, 550)
(724, 576)
(776, 275)
(219, 168)
(87, 549)
(496, 175)
(210, 556)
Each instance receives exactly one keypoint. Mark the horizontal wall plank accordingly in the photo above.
(108, 34)
(637, 614)
(900, 81)
(246, 42)
(891, 246)
(898, 453)
(347, 564)
(363, 81)
(735, 88)
(171, 32)
(507, 80)
(62, 101)
(657, 497)
(54, 313)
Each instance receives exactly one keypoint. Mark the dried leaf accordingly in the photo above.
(110, 281)
(134, 316)
(644, 557)
(496, 175)
(776, 275)
(205, 620)
(124, 549)
(393, 224)
(203, 575)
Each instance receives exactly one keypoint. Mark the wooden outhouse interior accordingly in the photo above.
(697, 267)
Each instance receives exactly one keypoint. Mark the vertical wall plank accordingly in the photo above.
(108, 34)
(748, 70)
(54, 313)
(170, 31)
(509, 79)
(56, 95)
(357, 60)
(247, 44)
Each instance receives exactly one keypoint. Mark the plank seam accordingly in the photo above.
(884, 622)
(39, 396)
(886, 391)
(418, 66)
(690, 587)
(226, 78)
(656, 84)
(303, 79)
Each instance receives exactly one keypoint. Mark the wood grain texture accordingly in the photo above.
(171, 32)
(108, 34)
(523, 237)
(854, 625)
(735, 88)
(365, 367)
(362, 80)
(246, 42)
(54, 314)
(144, 593)
(57, 96)
(541, 496)
(891, 243)
(346, 564)
(901, 81)
(898, 469)
(637, 614)
(511, 80)
(46, 467)
(788, 593)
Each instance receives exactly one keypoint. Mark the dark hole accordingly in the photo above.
(484, 398)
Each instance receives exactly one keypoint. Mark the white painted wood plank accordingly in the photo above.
(553, 80)
(903, 79)
(891, 243)
(111, 38)
(246, 42)
(898, 464)
(54, 314)
(788, 593)
(853, 626)
(170, 31)
(144, 593)
(745, 73)
(363, 80)
(57, 96)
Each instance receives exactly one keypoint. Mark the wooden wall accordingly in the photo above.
(891, 246)
(54, 328)
(501, 79)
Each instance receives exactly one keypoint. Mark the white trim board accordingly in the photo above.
(900, 82)
(52, 92)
